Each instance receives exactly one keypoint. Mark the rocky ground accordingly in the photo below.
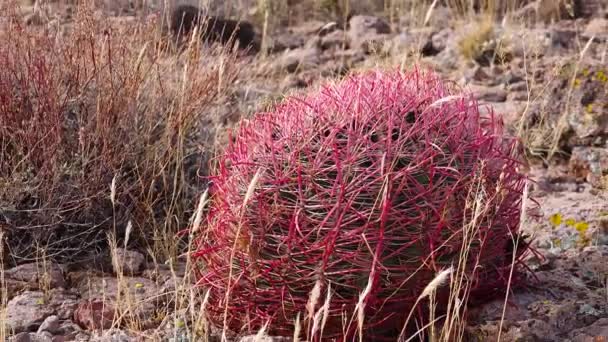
(548, 81)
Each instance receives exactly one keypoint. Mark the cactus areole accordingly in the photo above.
(350, 199)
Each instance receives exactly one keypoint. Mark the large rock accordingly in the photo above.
(135, 298)
(35, 276)
(94, 314)
(27, 311)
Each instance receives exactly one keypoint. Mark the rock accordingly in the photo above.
(184, 18)
(21, 337)
(597, 331)
(34, 19)
(163, 272)
(582, 98)
(113, 335)
(489, 94)
(12, 288)
(549, 10)
(298, 59)
(36, 276)
(415, 40)
(94, 314)
(589, 115)
(82, 337)
(509, 111)
(42, 337)
(518, 96)
(64, 303)
(365, 24)
(590, 8)
(265, 338)
(328, 28)
(136, 298)
(530, 42)
(368, 32)
(50, 324)
(335, 39)
(447, 60)
(284, 42)
(68, 331)
(128, 262)
(517, 87)
(293, 82)
(69, 327)
(480, 76)
(590, 164)
(27, 311)
(440, 16)
(440, 40)
(563, 38)
(598, 28)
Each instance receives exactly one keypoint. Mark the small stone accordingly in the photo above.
(50, 324)
(128, 262)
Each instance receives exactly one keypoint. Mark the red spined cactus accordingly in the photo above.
(371, 185)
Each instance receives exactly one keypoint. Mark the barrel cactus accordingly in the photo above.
(370, 185)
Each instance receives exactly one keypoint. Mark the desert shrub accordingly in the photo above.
(354, 197)
(92, 104)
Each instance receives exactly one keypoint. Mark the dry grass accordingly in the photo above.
(103, 104)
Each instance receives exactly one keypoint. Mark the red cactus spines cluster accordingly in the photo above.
(374, 183)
